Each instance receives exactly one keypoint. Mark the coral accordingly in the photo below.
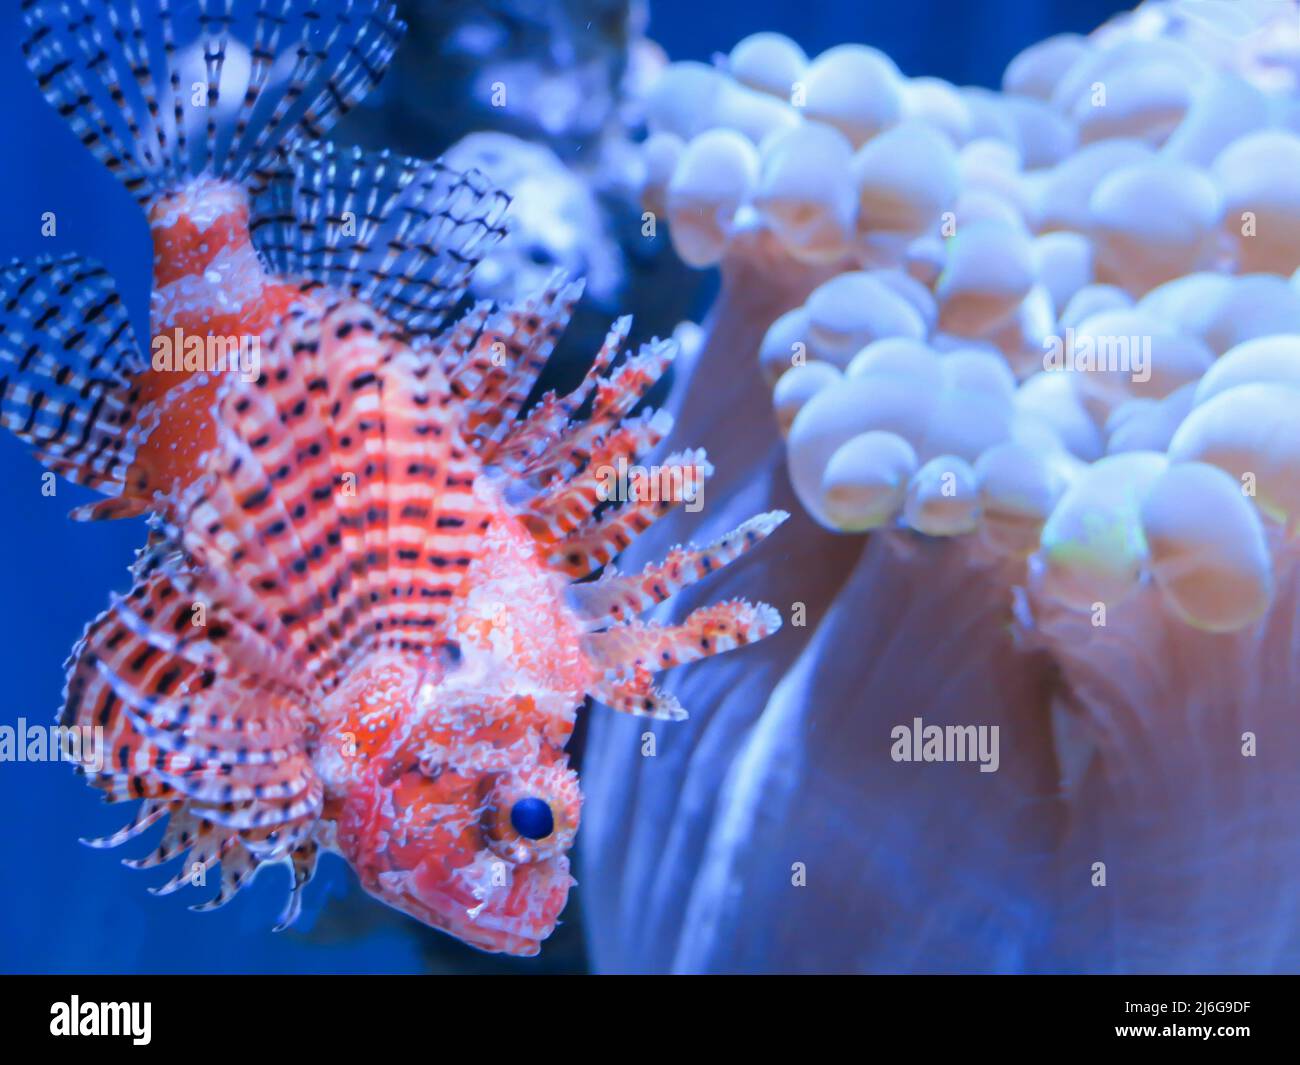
(1040, 347)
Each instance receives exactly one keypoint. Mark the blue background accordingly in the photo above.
(67, 908)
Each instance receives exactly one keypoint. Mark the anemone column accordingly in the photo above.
(689, 854)
(1189, 744)
(646, 818)
(827, 854)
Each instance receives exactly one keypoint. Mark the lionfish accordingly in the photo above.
(366, 615)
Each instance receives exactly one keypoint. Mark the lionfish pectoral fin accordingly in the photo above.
(197, 724)
(68, 357)
(634, 693)
(420, 227)
(619, 597)
(628, 654)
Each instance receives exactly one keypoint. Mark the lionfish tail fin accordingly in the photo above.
(162, 93)
(68, 359)
(401, 234)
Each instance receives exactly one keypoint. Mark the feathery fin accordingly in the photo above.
(68, 357)
(629, 654)
(616, 598)
(165, 95)
(401, 234)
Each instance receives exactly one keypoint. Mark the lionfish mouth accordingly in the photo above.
(473, 921)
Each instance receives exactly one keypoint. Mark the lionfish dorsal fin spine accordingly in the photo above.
(631, 653)
(565, 464)
(617, 598)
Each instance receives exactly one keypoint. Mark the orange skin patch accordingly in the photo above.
(181, 248)
(195, 229)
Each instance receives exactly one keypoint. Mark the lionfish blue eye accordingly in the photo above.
(532, 818)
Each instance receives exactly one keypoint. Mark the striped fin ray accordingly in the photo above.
(550, 443)
(496, 377)
(353, 366)
(565, 505)
(67, 359)
(302, 863)
(162, 92)
(219, 752)
(401, 234)
(147, 814)
(350, 357)
(451, 348)
(519, 445)
(181, 831)
(630, 654)
(595, 543)
(617, 598)
(614, 398)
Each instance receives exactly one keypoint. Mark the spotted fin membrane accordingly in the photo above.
(352, 490)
